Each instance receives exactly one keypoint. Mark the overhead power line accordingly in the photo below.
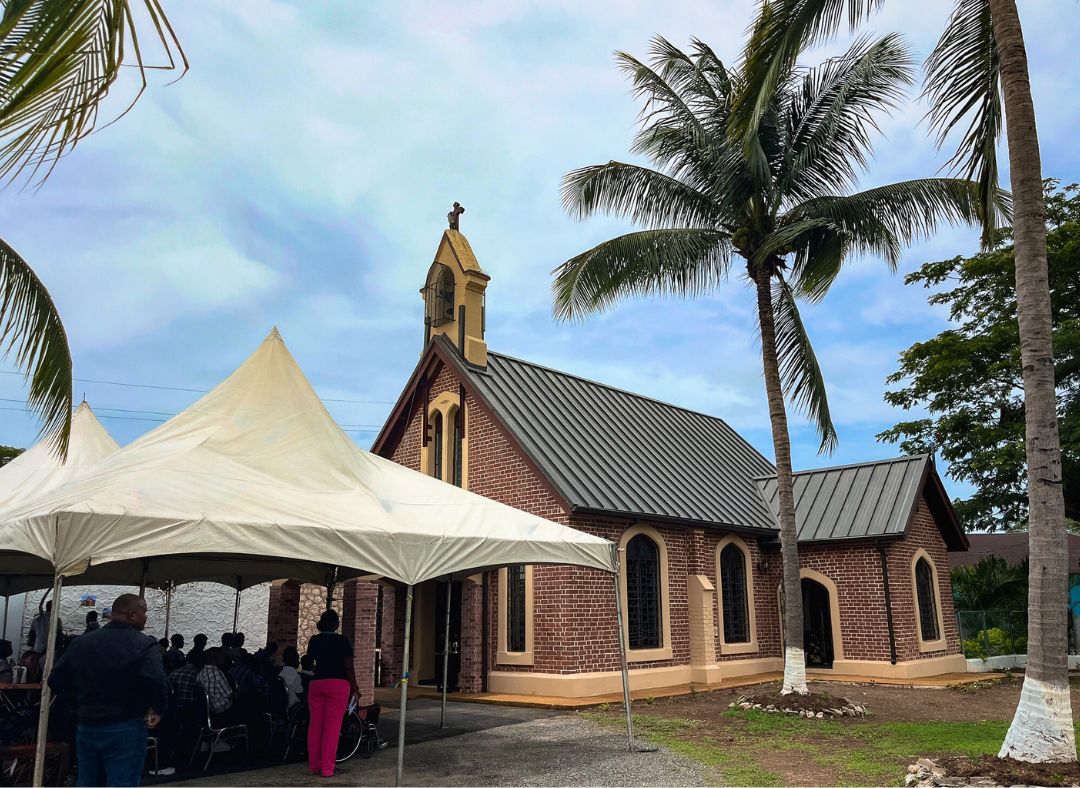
(195, 391)
(97, 411)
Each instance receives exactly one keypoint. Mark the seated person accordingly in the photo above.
(31, 660)
(200, 644)
(220, 694)
(290, 676)
(184, 679)
(174, 657)
(307, 671)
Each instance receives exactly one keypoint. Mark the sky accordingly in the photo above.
(300, 173)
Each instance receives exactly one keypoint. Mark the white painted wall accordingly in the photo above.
(196, 607)
(14, 619)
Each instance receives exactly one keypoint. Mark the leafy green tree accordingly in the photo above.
(970, 380)
(9, 453)
(786, 206)
(990, 584)
(58, 60)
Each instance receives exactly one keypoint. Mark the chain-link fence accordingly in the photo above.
(992, 633)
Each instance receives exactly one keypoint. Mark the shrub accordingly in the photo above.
(1000, 641)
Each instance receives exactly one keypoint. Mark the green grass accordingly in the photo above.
(866, 753)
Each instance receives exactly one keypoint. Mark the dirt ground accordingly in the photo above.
(903, 724)
(994, 699)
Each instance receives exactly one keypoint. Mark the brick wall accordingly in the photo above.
(283, 616)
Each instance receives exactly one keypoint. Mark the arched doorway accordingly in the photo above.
(817, 624)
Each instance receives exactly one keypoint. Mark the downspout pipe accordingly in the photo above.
(888, 601)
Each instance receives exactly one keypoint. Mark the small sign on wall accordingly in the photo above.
(88, 600)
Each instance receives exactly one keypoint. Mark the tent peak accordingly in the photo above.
(275, 334)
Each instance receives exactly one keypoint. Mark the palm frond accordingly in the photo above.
(782, 30)
(832, 112)
(880, 221)
(963, 80)
(31, 333)
(58, 60)
(682, 262)
(644, 196)
(800, 373)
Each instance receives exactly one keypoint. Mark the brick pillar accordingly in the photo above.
(358, 606)
(471, 677)
(699, 561)
(700, 602)
(283, 613)
(389, 644)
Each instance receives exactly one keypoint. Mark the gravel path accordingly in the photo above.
(551, 751)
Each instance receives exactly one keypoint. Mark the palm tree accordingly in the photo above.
(978, 71)
(58, 59)
(784, 204)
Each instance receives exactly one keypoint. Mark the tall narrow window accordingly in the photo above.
(515, 608)
(924, 589)
(455, 470)
(437, 430)
(733, 595)
(643, 592)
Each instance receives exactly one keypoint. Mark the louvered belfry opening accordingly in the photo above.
(515, 608)
(924, 587)
(734, 596)
(439, 296)
(643, 592)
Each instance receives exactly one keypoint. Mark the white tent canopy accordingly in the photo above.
(39, 469)
(257, 470)
(36, 472)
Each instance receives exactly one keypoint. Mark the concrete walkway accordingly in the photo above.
(387, 696)
(491, 745)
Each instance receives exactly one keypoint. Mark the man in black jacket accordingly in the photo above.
(119, 688)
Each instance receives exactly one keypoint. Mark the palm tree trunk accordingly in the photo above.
(794, 657)
(1042, 729)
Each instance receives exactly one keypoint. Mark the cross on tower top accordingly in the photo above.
(454, 217)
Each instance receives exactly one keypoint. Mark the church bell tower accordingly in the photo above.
(454, 295)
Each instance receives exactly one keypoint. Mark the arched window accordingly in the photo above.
(927, 597)
(437, 434)
(733, 595)
(515, 608)
(643, 592)
(455, 451)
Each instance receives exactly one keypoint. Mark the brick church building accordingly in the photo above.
(691, 503)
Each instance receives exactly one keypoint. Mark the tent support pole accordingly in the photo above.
(446, 650)
(622, 658)
(7, 605)
(46, 694)
(331, 584)
(236, 607)
(400, 774)
(142, 579)
(168, 607)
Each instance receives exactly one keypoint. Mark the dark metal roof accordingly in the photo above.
(607, 450)
(854, 501)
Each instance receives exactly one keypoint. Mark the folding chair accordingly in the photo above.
(210, 734)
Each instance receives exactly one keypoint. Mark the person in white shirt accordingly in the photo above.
(39, 639)
(290, 676)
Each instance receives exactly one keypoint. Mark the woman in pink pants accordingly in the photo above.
(328, 693)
